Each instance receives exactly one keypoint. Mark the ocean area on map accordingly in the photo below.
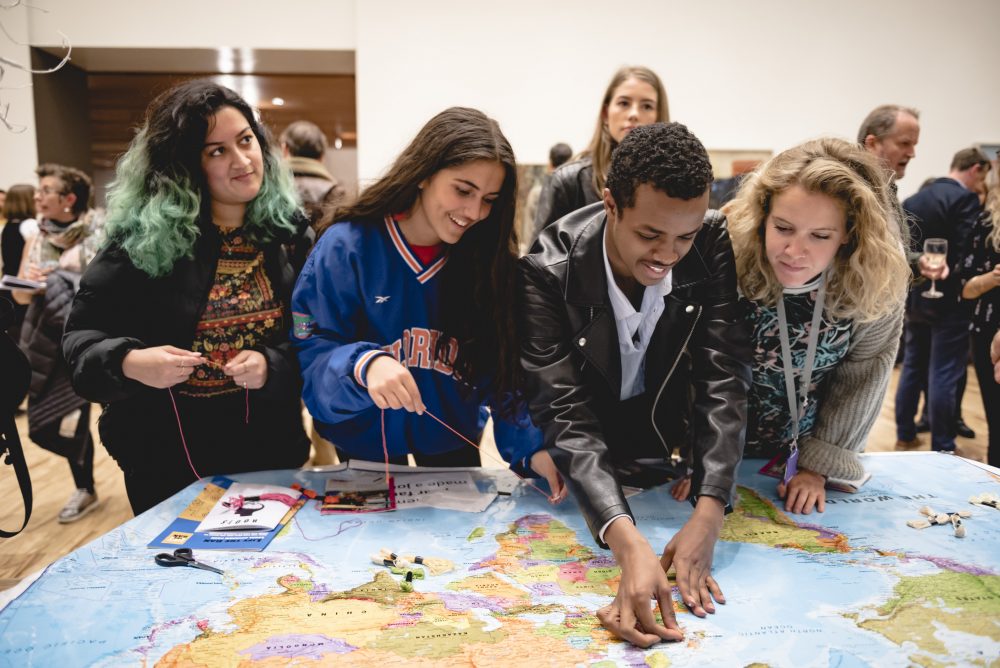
(854, 586)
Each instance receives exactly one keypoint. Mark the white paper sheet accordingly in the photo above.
(453, 490)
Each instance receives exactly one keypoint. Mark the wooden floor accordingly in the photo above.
(45, 540)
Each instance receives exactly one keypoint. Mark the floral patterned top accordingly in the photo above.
(769, 424)
(242, 312)
(982, 258)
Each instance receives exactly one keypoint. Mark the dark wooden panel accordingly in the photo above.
(118, 104)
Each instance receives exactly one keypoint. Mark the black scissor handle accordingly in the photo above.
(166, 559)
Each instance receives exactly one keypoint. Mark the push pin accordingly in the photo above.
(407, 583)
(957, 523)
(986, 499)
(436, 565)
(385, 558)
(935, 518)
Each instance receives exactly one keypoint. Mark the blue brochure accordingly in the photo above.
(183, 532)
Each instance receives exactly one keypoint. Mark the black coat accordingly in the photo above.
(567, 189)
(697, 367)
(120, 308)
(946, 210)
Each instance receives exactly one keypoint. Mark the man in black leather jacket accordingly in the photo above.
(679, 380)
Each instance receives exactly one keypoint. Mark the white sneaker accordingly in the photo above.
(81, 503)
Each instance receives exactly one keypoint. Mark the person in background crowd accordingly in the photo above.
(56, 255)
(937, 329)
(407, 302)
(980, 271)
(634, 97)
(303, 144)
(821, 264)
(890, 132)
(19, 212)
(559, 155)
(180, 328)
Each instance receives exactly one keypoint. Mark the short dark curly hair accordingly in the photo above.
(664, 155)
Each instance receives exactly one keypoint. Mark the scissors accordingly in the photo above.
(183, 556)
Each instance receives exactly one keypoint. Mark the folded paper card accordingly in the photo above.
(247, 506)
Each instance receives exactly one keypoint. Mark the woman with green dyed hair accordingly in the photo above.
(180, 325)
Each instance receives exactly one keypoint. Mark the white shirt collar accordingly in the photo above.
(624, 311)
(808, 287)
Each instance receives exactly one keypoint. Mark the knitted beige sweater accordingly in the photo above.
(853, 400)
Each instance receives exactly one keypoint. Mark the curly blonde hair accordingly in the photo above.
(993, 209)
(869, 276)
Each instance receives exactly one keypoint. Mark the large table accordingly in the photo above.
(852, 586)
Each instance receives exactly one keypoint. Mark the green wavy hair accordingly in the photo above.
(160, 197)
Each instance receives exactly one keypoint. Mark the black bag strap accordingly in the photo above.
(13, 386)
(13, 453)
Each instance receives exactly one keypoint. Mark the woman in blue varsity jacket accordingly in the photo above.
(407, 302)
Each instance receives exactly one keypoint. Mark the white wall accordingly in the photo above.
(763, 74)
(18, 152)
(262, 24)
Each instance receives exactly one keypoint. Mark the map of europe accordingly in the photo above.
(854, 586)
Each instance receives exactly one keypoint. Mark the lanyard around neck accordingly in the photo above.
(798, 408)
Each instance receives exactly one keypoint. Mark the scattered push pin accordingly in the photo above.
(404, 570)
(957, 523)
(384, 558)
(986, 499)
(935, 518)
(436, 565)
(407, 583)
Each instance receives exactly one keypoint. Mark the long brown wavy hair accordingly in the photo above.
(601, 144)
(478, 283)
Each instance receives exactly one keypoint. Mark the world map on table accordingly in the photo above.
(853, 586)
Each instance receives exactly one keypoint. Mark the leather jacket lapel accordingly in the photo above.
(587, 291)
(597, 341)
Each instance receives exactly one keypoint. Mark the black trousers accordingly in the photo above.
(77, 449)
(990, 390)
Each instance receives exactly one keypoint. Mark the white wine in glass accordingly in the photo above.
(935, 255)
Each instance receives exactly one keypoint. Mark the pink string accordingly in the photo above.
(187, 453)
(180, 429)
(461, 436)
(385, 449)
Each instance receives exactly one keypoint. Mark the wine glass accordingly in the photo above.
(935, 255)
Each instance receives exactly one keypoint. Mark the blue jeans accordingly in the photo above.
(936, 353)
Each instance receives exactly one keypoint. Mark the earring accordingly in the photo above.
(66, 209)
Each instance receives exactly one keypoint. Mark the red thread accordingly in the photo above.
(461, 436)
(385, 449)
(181, 430)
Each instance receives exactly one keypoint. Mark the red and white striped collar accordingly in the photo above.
(424, 274)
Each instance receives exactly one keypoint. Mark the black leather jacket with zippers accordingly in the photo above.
(697, 364)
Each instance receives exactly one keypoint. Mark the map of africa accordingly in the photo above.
(854, 586)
